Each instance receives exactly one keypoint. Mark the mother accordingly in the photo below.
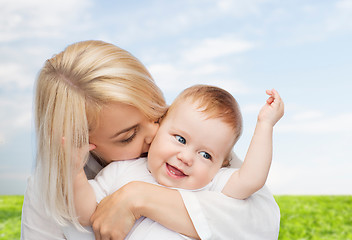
(96, 93)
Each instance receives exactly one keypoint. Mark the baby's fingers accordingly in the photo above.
(278, 103)
(269, 92)
(274, 96)
(270, 100)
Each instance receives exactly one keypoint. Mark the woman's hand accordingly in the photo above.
(114, 217)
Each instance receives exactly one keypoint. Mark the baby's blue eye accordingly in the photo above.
(205, 155)
(180, 139)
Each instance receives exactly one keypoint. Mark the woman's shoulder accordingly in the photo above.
(35, 222)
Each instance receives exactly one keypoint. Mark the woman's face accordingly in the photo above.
(123, 133)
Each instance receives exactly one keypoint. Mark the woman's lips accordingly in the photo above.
(174, 172)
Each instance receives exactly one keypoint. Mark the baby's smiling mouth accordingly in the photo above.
(174, 172)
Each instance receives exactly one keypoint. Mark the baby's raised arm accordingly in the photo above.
(255, 168)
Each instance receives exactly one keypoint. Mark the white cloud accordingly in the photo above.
(341, 18)
(251, 108)
(167, 77)
(323, 124)
(23, 119)
(313, 22)
(240, 8)
(177, 17)
(15, 116)
(308, 115)
(209, 68)
(174, 78)
(212, 48)
(324, 177)
(231, 85)
(13, 75)
(21, 19)
(5, 176)
(2, 139)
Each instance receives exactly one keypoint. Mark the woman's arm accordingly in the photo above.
(116, 214)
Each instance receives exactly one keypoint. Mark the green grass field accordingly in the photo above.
(10, 217)
(315, 217)
(302, 217)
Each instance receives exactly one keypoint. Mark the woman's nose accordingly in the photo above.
(145, 148)
(151, 132)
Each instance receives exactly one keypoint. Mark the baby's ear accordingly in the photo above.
(226, 162)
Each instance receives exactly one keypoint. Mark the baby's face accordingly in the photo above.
(188, 149)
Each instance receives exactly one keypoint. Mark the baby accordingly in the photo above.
(192, 149)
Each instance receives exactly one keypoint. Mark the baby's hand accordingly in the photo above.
(273, 110)
(79, 155)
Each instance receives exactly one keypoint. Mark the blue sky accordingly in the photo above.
(301, 48)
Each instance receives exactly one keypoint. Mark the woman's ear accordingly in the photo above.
(92, 146)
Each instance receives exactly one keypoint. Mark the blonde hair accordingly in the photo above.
(214, 102)
(72, 88)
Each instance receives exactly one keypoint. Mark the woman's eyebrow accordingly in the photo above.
(123, 131)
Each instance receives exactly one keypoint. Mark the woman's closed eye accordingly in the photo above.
(180, 139)
(130, 137)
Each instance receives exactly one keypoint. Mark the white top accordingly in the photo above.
(214, 215)
(119, 173)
